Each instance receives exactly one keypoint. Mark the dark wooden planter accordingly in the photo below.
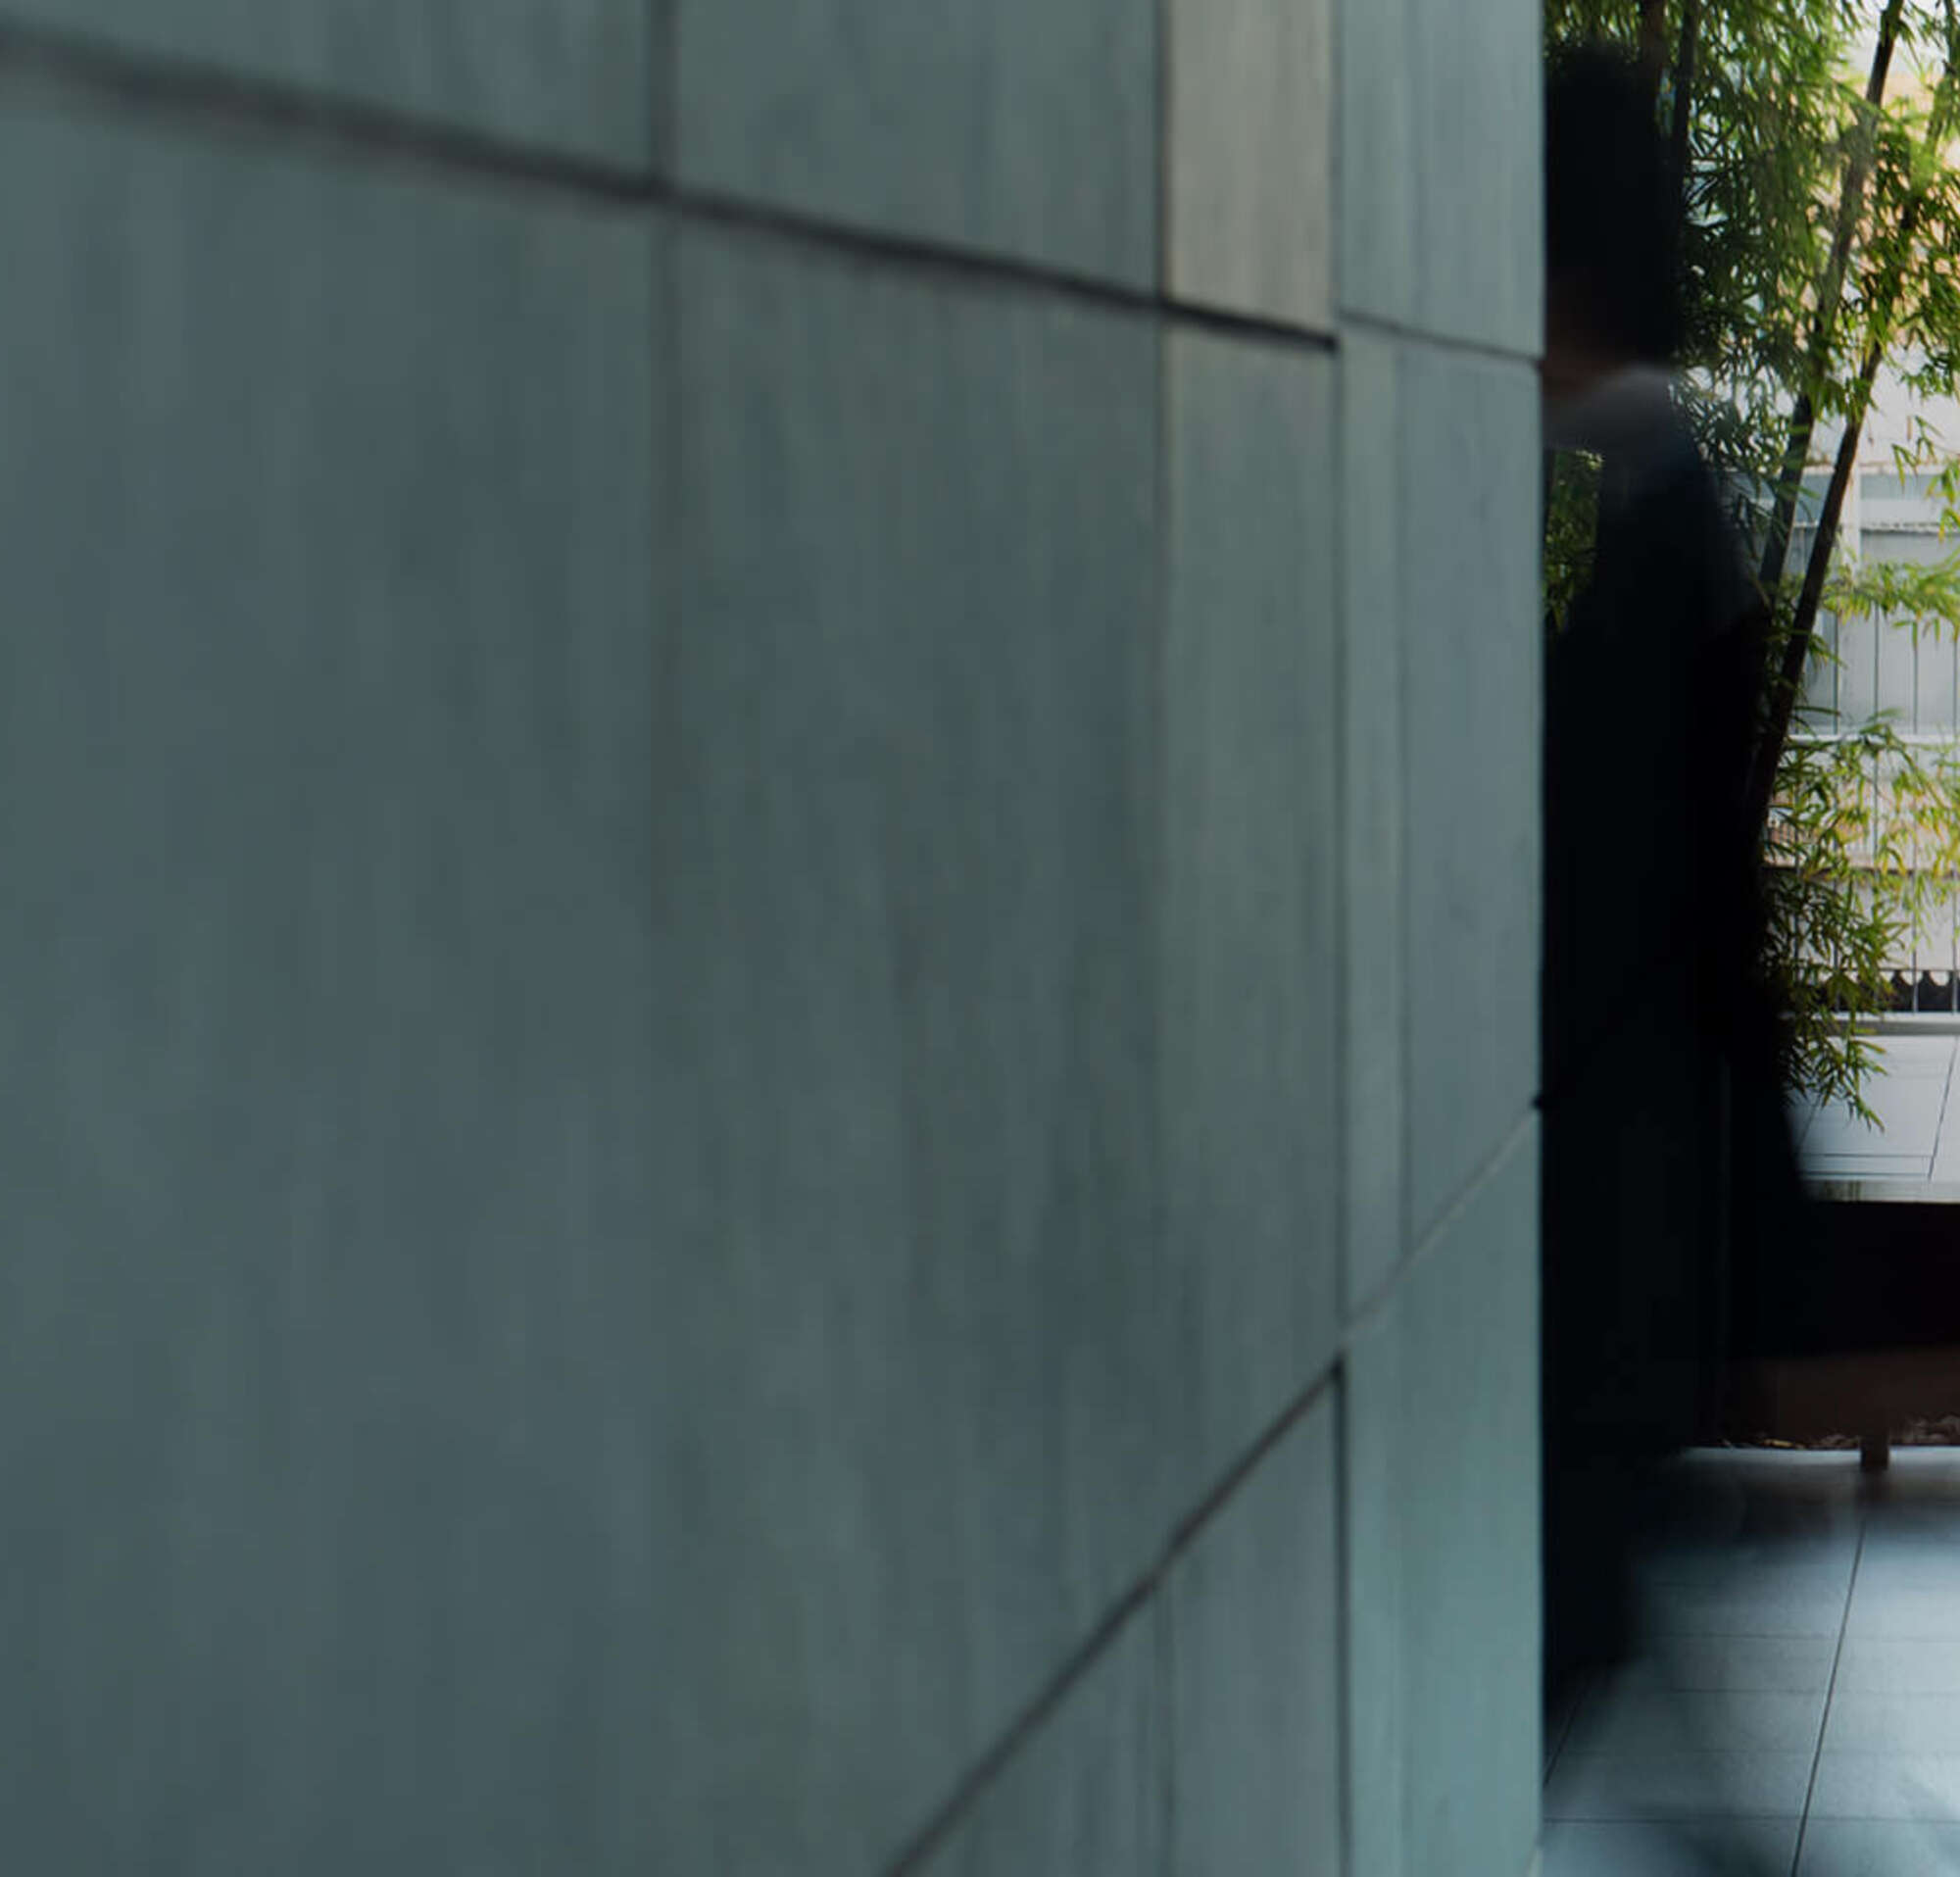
(1887, 1301)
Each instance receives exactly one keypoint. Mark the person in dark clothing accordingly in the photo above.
(1660, 1101)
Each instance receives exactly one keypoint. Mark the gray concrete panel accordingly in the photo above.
(581, 76)
(1468, 592)
(1375, 988)
(324, 1429)
(1023, 127)
(1251, 906)
(906, 787)
(1440, 209)
(1255, 1677)
(1088, 1792)
(1250, 142)
(1442, 1561)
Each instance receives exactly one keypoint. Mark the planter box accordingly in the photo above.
(1891, 1292)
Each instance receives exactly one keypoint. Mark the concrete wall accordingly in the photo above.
(770, 815)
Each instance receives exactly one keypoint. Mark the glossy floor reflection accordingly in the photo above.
(1796, 1706)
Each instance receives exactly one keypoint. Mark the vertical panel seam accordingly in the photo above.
(1165, 155)
(667, 83)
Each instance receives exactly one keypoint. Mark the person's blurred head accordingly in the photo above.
(1613, 218)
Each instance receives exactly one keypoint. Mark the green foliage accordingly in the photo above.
(1863, 841)
(1783, 157)
(1864, 837)
(1571, 529)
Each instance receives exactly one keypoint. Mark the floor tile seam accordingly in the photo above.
(1690, 1756)
(1767, 1636)
(1702, 1818)
(1951, 1695)
(1915, 1755)
(1573, 1710)
(1824, 1720)
(1836, 1751)
(1787, 1593)
(1809, 1693)
(1689, 1817)
(1869, 1635)
(1945, 1101)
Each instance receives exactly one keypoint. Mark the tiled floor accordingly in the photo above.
(1795, 1708)
(1920, 1140)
